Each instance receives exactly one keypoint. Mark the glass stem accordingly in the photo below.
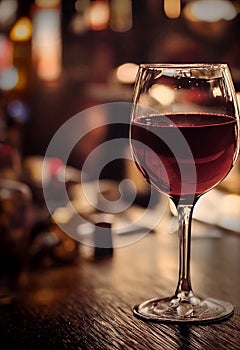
(184, 230)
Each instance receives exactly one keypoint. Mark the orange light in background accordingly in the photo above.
(172, 8)
(20, 35)
(210, 10)
(97, 15)
(22, 30)
(47, 3)
(49, 62)
(126, 73)
(46, 42)
(62, 215)
(121, 15)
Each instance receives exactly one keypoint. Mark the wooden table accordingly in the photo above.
(88, 305)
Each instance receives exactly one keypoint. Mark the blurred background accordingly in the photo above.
(59, 57)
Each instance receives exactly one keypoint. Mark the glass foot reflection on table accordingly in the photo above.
(175, 310)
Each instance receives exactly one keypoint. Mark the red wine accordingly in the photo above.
(184, 155)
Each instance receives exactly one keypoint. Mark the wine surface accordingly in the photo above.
(184, 154)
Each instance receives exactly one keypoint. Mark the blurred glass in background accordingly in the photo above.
(15, 223)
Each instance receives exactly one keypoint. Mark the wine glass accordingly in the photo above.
(184, 140)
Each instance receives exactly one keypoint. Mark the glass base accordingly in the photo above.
(177, 310)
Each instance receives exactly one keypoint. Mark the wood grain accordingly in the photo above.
(89, 305)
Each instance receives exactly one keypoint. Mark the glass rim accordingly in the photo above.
(183, 65)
